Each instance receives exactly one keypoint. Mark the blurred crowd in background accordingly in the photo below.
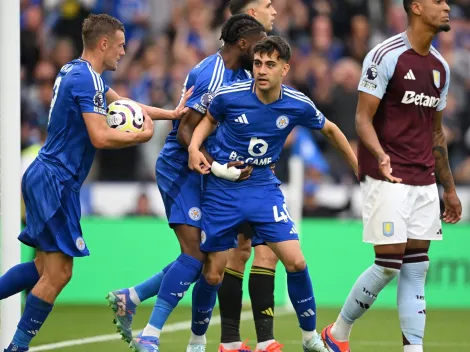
(166, 38)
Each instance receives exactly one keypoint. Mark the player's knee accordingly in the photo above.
(295, 265)
(265, 258)
(59, 278)
(213, 278)
(243, 252)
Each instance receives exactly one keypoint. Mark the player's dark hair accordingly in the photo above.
(239, 6)
(97, 26)
(274, 43)
(239, 26)
(407, 6)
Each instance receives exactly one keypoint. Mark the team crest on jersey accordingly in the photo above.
(388, 229)
(203, 237)
(195, 213)
(80, 243)
(437, 78)
(282, 122)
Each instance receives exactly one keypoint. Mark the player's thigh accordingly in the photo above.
(189, 238)
(290, 254)
(221, 218)
(53, 214)
(265, 257)
(240, 255)
(214, 267)
(425, 222)
(180, 189)
(386, 211)
(57, 268)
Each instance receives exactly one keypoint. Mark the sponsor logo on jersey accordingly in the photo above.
(420, 99)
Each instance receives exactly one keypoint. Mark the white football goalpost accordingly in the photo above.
(10, 159)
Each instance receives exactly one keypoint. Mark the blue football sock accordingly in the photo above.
(301, 295)
(151, 287)
(20, 277)
(35, 314)
(184, 271)
(204, 298)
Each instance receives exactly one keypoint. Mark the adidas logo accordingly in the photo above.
(242, 119)
(308, 313)
(202, 322)
(410, 76)
(293, 231)
(179, 294)
(268, 311)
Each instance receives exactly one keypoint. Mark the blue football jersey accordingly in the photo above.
(206, 77)
(254, 132)
(68, 151)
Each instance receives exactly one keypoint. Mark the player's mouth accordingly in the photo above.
(262, 80)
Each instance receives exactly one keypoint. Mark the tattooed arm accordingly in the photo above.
(453, 208)
(439, 151)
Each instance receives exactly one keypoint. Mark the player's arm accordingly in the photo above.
(372, 87)
(188, 124)
(453, 208)
(154, 112)
(197, 161)
(104, 137)
(337, 138)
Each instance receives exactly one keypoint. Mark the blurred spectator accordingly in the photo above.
(142, 208)
(329, 39)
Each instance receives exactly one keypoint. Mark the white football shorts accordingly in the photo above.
(394, 212)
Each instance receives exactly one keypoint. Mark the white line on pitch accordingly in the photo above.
(184, 325)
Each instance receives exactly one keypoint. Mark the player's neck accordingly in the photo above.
(420, 38)
(96, 64)
(231, 61)
(268, 96)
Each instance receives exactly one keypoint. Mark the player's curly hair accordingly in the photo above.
(96, 26)
(239, 26)
(239, 6)
(274, 43)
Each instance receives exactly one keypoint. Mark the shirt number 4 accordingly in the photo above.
(281, 215)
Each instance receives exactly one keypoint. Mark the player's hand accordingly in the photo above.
(198, 162)
(386, 169)
(245, 173)
(453, 208)
(147, 133)
(181, 109)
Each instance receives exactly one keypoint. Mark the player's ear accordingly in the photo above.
(242, 44)
(285, 69)
(417, 8)
(104, 43)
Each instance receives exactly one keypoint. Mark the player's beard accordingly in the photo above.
(247, 63)
(443, 28)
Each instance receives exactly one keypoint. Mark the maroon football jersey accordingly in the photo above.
(412, 88)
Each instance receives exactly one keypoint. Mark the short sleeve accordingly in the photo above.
(445, 90)
(89, 93)
(217, 107)
(202, 94)
(375, 77)
(312, 117)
